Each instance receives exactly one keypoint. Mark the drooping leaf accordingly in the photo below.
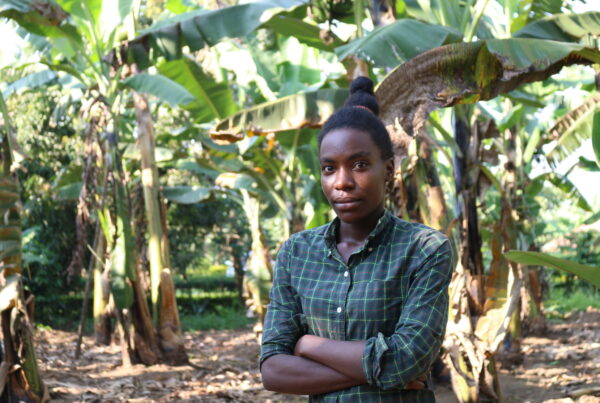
(588, 273)
(573, 128)
(438, 78)
(309, 109)
(211, 100)
(161, 87)
(563, 27)
(200, 28)
(186, 194)
(390, 45)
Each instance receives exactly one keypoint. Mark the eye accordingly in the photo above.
(361, 164)
(326, 169)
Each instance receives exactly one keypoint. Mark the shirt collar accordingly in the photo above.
(333, 228)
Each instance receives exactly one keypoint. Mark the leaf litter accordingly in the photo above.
(561, 364)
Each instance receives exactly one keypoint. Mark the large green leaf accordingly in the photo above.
(588, 273)
(563, 27)
(389, 45)
(186, 194)
(309, 109)
(161, 87)
(198, 29)
(439, 78)
(211, 100)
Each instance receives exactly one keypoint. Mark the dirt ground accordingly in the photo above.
(560, 365)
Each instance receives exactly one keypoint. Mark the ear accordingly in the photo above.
(390, 170)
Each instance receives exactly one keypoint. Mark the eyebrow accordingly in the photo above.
(360, 154)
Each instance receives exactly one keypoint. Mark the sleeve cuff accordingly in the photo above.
(375, 348)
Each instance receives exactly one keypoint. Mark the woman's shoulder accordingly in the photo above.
(306, 238)
(418, 233)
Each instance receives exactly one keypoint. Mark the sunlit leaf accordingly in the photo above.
(200, 28)
(588, 273)
(309, 109)
(186, 194)
(161, 87)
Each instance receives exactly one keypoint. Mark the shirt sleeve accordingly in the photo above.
(284, 322)
(393, 361)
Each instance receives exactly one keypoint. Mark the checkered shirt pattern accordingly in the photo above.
(393, 293)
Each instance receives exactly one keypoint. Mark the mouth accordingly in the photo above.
(346, 203)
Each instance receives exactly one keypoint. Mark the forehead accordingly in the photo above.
(344, 142)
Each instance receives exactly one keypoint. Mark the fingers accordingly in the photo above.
(415, 385)
(418, 383)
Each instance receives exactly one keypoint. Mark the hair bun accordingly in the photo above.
(362, 95)
(362, 84)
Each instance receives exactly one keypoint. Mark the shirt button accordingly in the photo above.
(346, 273)
(339, 310)
(370, 249)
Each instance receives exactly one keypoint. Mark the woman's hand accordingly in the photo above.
(325, 351)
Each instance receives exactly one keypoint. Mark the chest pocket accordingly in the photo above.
(375, 306)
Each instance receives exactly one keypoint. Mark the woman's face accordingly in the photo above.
(353, 175)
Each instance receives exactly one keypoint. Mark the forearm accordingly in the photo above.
(302, 376)
(343, 356)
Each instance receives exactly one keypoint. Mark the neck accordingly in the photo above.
(357, 232)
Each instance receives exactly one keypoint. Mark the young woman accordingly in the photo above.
(359, 306)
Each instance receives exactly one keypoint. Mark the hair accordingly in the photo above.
(360, 112)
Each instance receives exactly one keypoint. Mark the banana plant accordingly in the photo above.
(18, 363)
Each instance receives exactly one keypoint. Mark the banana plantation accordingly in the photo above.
(156, 154)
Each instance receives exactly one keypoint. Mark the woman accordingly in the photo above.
(359, 306)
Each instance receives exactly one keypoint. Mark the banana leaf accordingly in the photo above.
(572, 129)
(588, 273)
(161, 87)
(309, 109)
(211, 99)
(198, 29)
(470, 72)
(563, 27)
(389, 45)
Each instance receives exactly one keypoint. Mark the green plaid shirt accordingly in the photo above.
(391, 293)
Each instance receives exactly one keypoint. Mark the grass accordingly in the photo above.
(224, 318)
(560, 302)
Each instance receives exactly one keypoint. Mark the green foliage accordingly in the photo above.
(562, 301)
(225, 318)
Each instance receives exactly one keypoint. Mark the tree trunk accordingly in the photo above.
(19, 368)
(162, 289)
(102, 323)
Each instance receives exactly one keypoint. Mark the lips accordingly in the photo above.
(346, 203)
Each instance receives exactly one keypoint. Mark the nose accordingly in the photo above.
(343, 179)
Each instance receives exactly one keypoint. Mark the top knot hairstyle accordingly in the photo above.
(360, 112)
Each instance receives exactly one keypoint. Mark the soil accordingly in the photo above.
(559, 364)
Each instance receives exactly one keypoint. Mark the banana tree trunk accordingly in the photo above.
(162, 289)
(102, 327)
(19, 372)
(258, 279)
